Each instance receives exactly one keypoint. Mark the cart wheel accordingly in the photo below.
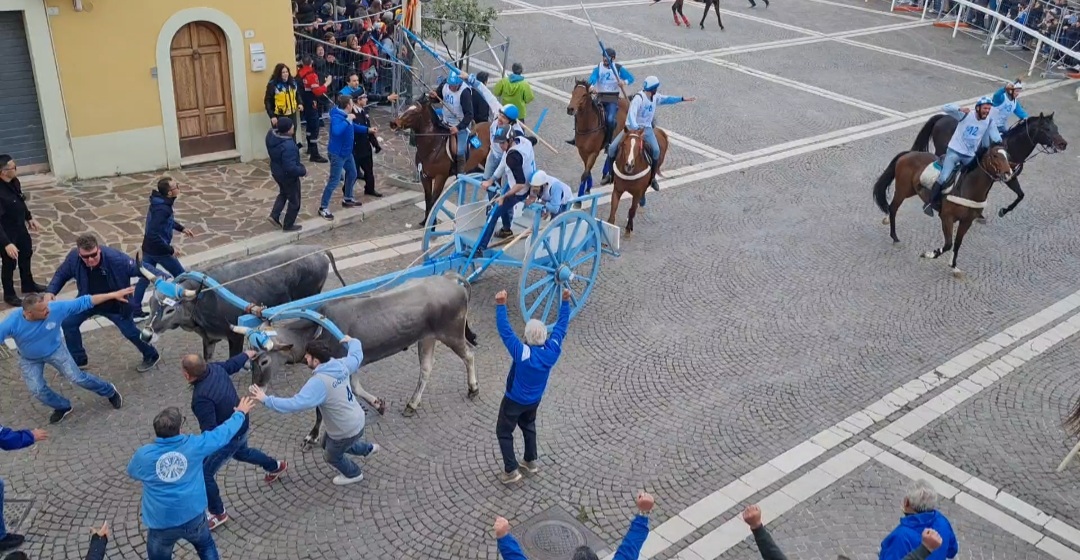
(440, 226)
(566, 254)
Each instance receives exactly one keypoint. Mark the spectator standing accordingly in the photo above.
(11, 440)
(98, 269)
(286, 169)
(920, 513)
(629, 549)
(515, 90)
(481, 109)
(213, 400)
(530, 368)
(342, 131)
(171, 472)
(313, 91)
(282, 96)
(329, 390)
(363, 144)
(16, 223)
(38, 341)
(157, 246)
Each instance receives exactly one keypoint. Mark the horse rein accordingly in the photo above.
(596, 107)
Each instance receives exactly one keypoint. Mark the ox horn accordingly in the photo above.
(190, 294)
(240, 330)
(149, 275)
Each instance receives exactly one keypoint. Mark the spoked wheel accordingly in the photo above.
(566, 254)
(443, 221)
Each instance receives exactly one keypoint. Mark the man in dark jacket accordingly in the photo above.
(213, 401)
(481, 110)
(363, 143)
(10, 440)
(97, 269)
(16, 223)
(157, 249)
(286, 169)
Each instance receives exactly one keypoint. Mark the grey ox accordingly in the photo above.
(420, 311)
(286, 274)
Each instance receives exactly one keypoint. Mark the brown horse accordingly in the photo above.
(434, 146)
(589, 137)
(964, 199)
(632, 171)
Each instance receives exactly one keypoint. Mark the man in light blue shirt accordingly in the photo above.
(330, 390)
(171, 472)
(36, 331)
(551, 192)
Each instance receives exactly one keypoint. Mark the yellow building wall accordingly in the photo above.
(105, 56)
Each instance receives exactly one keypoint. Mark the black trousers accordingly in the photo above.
(7, 270)
(513, 415)
(365, 165)
(716, 7)
(288, 191)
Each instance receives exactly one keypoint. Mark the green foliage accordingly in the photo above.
(467, 19)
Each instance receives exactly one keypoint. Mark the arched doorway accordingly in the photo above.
(201, 85)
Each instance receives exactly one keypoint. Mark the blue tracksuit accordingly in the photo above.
(907, 536)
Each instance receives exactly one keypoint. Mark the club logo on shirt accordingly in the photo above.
(50, 326)
(171, 466)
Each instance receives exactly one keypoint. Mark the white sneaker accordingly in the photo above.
(374, 449)
(342, 480)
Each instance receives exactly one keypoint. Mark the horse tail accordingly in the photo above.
(922, 141)
(333, 265)
(1072, 421)
(883, 182)
(470, 336)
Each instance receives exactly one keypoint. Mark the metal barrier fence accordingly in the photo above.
(1045, 31)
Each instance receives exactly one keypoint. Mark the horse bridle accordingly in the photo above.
(596, 107)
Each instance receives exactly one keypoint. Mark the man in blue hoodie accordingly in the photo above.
(920, 513)
(629, 549)
(329, 389)
(97, 269)
(10, 440)
(525, 384)
(157, 246)
(171, 472)
(340, 147)
(213, 400)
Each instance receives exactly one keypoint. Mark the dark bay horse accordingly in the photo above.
(633, 173)
(589, 138)
(433, 149)
(961, 203)
(1021, 140)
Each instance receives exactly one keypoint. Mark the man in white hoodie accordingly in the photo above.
(329, 390)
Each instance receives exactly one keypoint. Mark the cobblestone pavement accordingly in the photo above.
(758, 306)
(224, 203)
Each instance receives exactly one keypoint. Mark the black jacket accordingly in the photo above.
(13, 213)
(284, 157)
(363, 143)
(160, 225)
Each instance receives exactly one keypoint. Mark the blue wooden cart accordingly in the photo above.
(553, 254)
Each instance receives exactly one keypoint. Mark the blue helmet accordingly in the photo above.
(510, 111)
(983, 101)
(454, 79)
(652, 83)
(610, 52)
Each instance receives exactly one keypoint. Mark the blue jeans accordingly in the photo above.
(650, 141)
(168, 262)
(952, 159)
(611, 110)
(33, 372)
(3, 528)
(334, 451)
(337, 164)
(236, 449)
(493, 160)
(505, 211)
(160, 542)
(462, 144)
(123, 321)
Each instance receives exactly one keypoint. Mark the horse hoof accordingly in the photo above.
(928, 255)
(1001, 212)
(308, 443)
(981, 220)
(409, 411)
(474, 392)
(957, 273)
(885, 221)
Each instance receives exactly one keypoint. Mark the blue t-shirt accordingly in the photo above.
(37, 340)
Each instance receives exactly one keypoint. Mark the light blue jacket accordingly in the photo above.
(171, 472)
(999, 97)
(624, 75)
(657, 99)
(953, 110)
(313, 393)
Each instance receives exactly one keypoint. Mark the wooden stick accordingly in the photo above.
(533, 132)
(1069, 457)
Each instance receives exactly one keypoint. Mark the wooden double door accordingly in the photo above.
(201, 84)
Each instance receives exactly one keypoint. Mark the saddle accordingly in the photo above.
(933, 171)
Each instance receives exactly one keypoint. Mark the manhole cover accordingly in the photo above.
(15, 512)
(553, 534)
(555, 538)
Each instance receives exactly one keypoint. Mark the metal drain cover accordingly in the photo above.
(16, 512)
(554, 535)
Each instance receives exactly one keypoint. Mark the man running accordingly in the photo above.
(967, 138)
(640, 116)
(605, 81)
